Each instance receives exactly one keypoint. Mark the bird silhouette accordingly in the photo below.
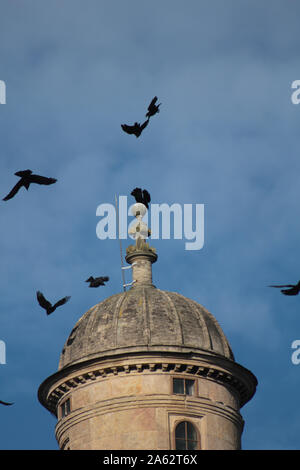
(27, 177)
(141, 196)
(294, 289)
(153, 108)
(44, 303)
(5, 403)
(97, 281)
(136, 129)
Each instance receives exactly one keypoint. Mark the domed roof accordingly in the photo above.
(141, 323)
(144, 319)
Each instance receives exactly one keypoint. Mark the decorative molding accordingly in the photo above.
(210, 373)
(64, 444)
(199, 406)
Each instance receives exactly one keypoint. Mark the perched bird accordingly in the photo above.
(141, 196)
(136, 129)
(27, 177)
(5, 403)
(47, 305)
(97, 281)
(294, 289)
(153, 108)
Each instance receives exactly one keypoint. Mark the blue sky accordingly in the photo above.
(227, 137)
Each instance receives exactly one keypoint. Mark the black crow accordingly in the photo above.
(47, 305)
(97, 281)
(5, 403)
(27, 177)
(141, 196)
(153, 108)
(136, 129)
(294, 289)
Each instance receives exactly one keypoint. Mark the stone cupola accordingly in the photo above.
(147, 369)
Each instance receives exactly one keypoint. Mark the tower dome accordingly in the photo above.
(144, 319)
(147, 369)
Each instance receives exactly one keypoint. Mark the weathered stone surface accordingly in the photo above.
(144, 317)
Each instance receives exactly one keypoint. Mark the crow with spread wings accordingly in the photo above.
(97, 281)
(136, 129)
(27, 177)
(5, 403)
(44, 303)
(294, 289)
(153, 108)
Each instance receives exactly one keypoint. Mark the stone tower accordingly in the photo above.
(147, 369)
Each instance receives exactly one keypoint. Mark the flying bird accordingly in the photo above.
(5, 403)
(44, 303)
(294, 289)
(97, 281)
(141, 196)
(27, 177)
(136, 129)
(153, 108)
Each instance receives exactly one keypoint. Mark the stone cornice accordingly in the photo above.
(223, 371)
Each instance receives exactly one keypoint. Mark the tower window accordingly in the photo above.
(183, 386)
(65, 408)
(186, 436)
